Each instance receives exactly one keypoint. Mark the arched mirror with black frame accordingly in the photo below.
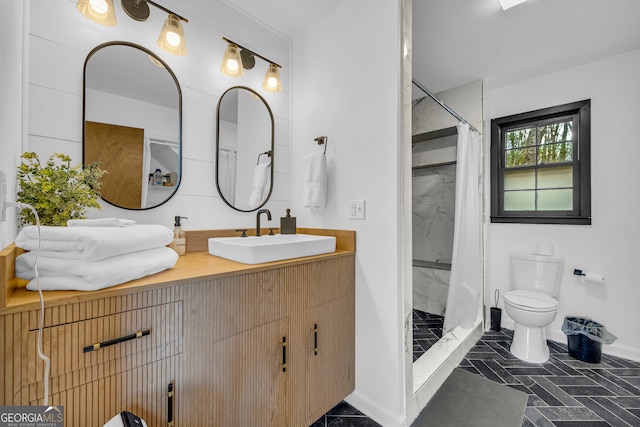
(132, 124)
(244, 149)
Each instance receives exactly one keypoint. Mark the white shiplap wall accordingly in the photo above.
(58, 41)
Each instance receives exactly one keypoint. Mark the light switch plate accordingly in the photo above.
(356, 209)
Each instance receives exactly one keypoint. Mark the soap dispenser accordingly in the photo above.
(288, 223)
(179, 243)
(157, 177)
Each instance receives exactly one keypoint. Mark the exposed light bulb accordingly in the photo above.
(232, 65)
(99, 6)
(173, 38)
(272, 82)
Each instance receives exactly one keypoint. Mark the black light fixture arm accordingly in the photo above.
(249, 50)
(166, 10)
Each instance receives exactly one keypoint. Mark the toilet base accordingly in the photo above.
(530, 344)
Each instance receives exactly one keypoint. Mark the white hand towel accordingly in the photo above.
(93, 243)
(101, 222)
(314, 186)
(259, 185)
(67, 274)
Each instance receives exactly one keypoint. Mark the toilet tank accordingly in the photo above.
(540, 273)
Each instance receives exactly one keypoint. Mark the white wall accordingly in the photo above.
(11, 112)
(610, 245)
(346, 85)
(156, 120)
(59, 39)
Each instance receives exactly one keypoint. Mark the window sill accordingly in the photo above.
(541, 220)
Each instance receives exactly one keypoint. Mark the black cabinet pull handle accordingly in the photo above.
(99, 345)
(170, 405)
(284, 354)
(315, 339)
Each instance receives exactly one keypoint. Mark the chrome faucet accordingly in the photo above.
(261, 211)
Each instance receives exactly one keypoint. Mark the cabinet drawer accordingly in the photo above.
(336, 277)
(70, 366)
(142, 391)
(225, 307)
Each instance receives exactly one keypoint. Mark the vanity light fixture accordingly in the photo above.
(238, 58)
(99, 11)
(171, 38)
(232, 62)
(271, 81)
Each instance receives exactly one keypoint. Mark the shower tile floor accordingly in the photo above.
(427, 330)
(564, 392)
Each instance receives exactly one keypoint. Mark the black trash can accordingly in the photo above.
(584, 348)
(584, 338)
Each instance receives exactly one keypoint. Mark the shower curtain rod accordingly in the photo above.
(443, 105)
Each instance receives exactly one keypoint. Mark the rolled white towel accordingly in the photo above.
(93, 243)
(101, 222)
(66, 274)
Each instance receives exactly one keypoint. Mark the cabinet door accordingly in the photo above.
(141, 391)
(330, 355)
(247, 380)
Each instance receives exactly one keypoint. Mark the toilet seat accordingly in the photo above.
(530, 301)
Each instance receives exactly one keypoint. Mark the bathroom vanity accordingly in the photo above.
(243, 345)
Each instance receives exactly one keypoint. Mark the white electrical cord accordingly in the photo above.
(45, 359)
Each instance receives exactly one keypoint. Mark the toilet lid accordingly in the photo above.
(534, 301)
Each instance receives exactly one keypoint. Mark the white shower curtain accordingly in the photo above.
(227, 174)
(466, 273)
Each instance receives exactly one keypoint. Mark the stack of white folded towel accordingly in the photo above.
(88, 255)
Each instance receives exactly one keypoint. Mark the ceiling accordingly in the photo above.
(138, 78)
(459, 41)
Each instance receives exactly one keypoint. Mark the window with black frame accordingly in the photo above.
(540, 166)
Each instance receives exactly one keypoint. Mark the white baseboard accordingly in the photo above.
(375, 411)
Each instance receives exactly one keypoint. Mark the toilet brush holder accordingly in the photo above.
(496, 313)
(496, 318)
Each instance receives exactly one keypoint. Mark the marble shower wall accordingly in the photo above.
(433, 215)
(434, 191)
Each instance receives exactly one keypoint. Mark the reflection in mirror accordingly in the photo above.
(132, 124)
(244, 149)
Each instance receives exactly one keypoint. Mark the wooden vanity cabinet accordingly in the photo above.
(243, 330)
(95, 385)
(238, 349)
(330, 370)
(330, 351)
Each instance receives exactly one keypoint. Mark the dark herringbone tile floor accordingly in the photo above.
(427, 330)
(564, 392)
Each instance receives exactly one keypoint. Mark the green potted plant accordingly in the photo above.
(58, 191)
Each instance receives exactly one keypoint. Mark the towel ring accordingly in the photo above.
(322, 140)
(268, 153)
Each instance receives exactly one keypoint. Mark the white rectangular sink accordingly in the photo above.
(256, 250)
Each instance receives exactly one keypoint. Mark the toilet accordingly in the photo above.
(535, 281)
